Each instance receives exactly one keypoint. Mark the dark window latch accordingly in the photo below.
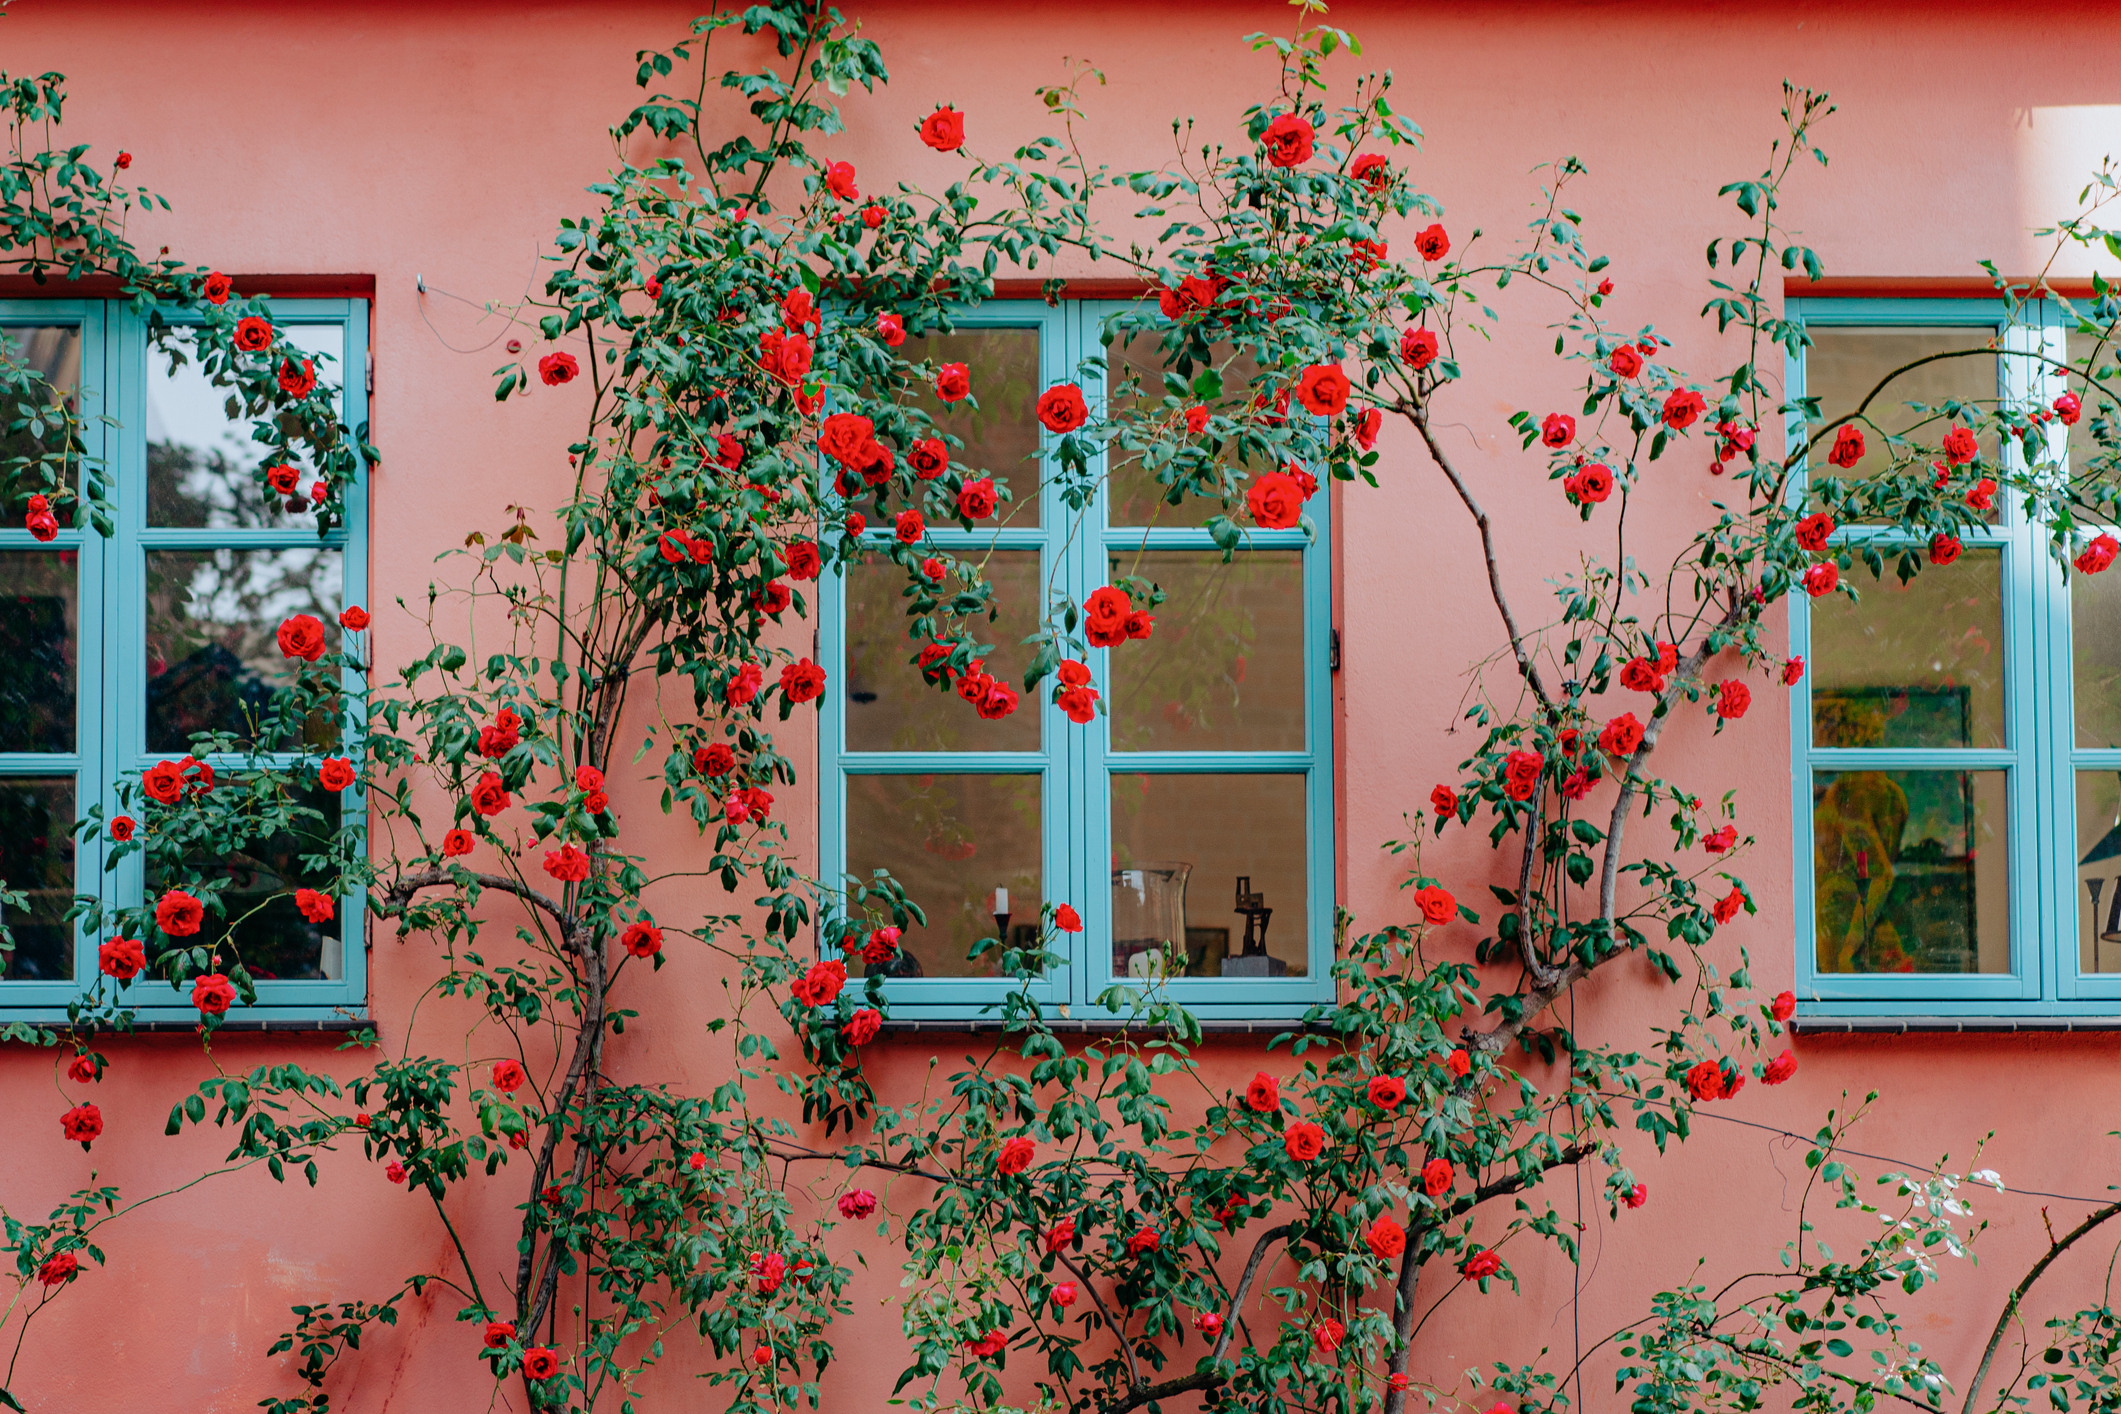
(1333, 650)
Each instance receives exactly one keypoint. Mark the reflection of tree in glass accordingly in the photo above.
(37, 858)
(38, 599)
(262, 925)
(202, 462)
(1222, 670)
(212, 619)
(40, 374)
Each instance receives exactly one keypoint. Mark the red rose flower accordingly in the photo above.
(642, 939)
(1814, 531)
(1983, 496)
(302, 636)
(489, 796)
(1520, 773)
(297, 381)
(1387, 1092)
(1366, 428)
(1288, 139)
(1275, 500)
(508, 1076)
(216, 288)
(804, 561)
(744, 686)
(749, 803)
(1433, 244)
(1625, 362)
(1637, 1196)
(1716, 842)
(59, 1269)
(1139, 624)
(569, 863)
(316, 907)
(802, 681)
(1323, 389)
(1015, 1156)
(213, 994)
(253, 335)
(975, 500)
(1594, 483)
(1960, 447)
(1459, 1063)
(1444, 801)
(1304, 1141)
(1263, 1094)
(1480, 1266)
(1732, 698)
(1372, 170)
(1705, 1081)
(1209, 1324)
(839, 179)
(1061, 408)
(857, 1203)
(1848, 447)
(953, 382)
(1067, 919)
(1682, 407)
(81, 1124)
(178, 914)
(910, 528)
(558, 368)
(122, 958)
(929, 458)
(821, 984)
(1437, 1176)
(1621, 736)
(2069, 407)
(1784, 1006)
(714, 760)
(335, 774)
(862, 1027)
(1064, 1294)
(843, 435)
(1821, 578)
(2098, 555)
(1557, 429)
(1944, 548)
(1436, 904)
(1792, 672)
(1779, 1069)
(944, 130)
(354, 618)
(499, 1333)
(540, 1363)
(1386, 1239)
(394, 1171)
(1417, 347)
(1726, 908)
(163, 781)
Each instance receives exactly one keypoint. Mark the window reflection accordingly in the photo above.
(40, 634)
(202, 466)
(1224, 670)
(1910, 871)
(263, 925)
(951, 841)
(890, 707)
(1919, 664)
(1210, 876)
(213, 659)
(40, 379)
(37, 858)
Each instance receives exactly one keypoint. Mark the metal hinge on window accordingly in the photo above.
(371, 373)
(1333, 650)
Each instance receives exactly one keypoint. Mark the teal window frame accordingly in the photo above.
(111, 725)
(1076, 763)
(2039, 753)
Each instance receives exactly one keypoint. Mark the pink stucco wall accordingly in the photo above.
(397, 139)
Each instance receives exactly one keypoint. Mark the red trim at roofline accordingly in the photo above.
(1921, 287)
(57, 286)
(1073, 289)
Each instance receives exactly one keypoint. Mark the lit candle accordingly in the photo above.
(1001, 903)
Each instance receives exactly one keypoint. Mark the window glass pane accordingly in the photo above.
(49, 359)
(1001, 436)
(1136, 493)
(890, 707)
(2095, 654)
(213, 658)
(1843, 366)
(2099, 871)
(951, 841)
(2082, 445)
(202, 466)
(37, 858)
(1910, 872)
(40, 637)
(1212, 860)
(262, 925)
(1912, 665)
(1224, 668)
